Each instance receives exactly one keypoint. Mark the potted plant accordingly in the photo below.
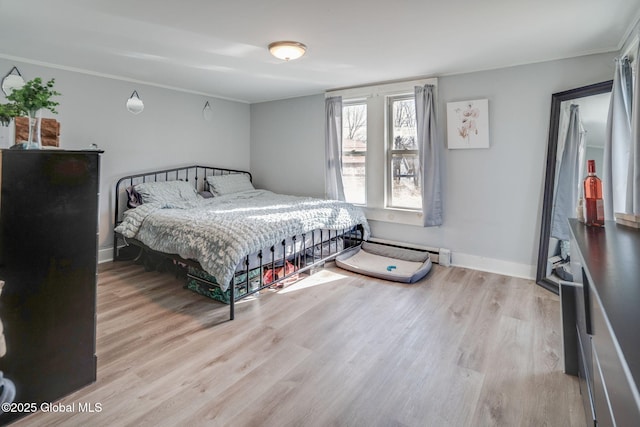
(31, 99)
(7, 113)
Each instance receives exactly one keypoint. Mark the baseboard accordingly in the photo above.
(492, 265)
(105, 255)
(445, 257)
(440, 256)
(458, 259)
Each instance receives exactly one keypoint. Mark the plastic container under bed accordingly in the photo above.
(386, 262)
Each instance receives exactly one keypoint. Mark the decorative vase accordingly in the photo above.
(34, 141)
(8, 134)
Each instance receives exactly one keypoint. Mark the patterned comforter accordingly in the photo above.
(220, 232)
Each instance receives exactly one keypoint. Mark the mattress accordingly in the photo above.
(220, 232)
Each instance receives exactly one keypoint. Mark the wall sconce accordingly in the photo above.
(13, 80)
(287, 50)
(135, 104)
(207, 112)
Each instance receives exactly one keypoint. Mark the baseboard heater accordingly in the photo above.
(440, 256)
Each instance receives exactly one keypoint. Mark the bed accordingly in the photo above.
(232, 237)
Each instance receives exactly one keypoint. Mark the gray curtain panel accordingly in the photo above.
(334, 188)
(429, 153)
(617, 145)
(568, 181)
(633, 177)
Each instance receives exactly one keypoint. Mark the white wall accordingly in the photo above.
(170, 131)
(492, 197)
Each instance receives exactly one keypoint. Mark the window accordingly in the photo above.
(380, 160)
(354, 151)
(403, 174)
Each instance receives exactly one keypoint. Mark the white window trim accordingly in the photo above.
(377, 132)
(401, 216)
(381, 89)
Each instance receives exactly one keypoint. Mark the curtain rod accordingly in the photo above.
(632, 49)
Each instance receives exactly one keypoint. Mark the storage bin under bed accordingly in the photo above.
(203, 283)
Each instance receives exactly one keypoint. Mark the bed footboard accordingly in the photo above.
(257, 271)
(267, 268)
(330, 244)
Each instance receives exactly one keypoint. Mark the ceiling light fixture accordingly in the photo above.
(287, 50)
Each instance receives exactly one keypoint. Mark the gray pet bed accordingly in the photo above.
(386, 262)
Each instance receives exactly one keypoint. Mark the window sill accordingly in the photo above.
(398, 216)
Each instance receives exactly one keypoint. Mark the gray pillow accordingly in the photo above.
(229, 184)
(167, 192)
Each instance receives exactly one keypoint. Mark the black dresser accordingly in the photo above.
(601, 321)
(48, 261)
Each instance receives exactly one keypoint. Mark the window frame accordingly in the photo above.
(390, 151)
(377, 171)
(346, 103)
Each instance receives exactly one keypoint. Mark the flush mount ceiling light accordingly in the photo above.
(287, 50)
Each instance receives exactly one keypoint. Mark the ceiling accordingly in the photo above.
(219, 47)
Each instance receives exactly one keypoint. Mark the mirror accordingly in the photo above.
(207, 112)
(12, 81)
(576, 134)
(135, 104)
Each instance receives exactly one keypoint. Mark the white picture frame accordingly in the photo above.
(468, 124)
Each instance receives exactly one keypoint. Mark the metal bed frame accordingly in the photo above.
(323, 249)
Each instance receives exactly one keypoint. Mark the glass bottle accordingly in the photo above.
(593, 204)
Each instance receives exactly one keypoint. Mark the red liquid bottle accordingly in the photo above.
(593, 204)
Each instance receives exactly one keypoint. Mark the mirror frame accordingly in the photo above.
(549, 182)
(9, 86)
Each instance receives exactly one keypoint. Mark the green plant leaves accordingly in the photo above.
(33, 96)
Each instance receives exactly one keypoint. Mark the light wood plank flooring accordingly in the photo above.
(460, 348)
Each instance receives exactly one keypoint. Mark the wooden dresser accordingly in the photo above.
(601, 321)
(48, 261)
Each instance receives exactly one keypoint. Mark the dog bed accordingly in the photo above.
(386, 262)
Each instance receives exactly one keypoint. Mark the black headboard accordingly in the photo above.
(195, 174)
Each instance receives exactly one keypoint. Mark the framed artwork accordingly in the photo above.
(468, 124)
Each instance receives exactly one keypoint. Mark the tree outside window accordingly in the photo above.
(403, 184)
(354, 151)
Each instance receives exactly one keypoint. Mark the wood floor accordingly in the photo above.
(460, 348)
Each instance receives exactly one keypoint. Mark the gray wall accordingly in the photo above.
(492, 197)
(170, 131)
(287, 145)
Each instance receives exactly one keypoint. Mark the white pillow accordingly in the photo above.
(167, 191)
(230, 183)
